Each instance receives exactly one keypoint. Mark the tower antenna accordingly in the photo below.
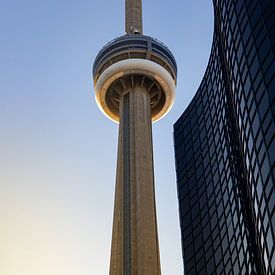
(133, 16)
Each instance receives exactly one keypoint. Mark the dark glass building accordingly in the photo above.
(225, 148)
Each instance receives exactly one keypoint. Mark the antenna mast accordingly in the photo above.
(133, 16)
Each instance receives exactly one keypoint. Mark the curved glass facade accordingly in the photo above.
(225, 148)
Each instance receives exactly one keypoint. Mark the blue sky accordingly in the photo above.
(58, 151)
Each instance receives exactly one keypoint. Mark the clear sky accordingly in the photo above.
(58, 151)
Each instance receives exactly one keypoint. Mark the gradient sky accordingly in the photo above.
(58, 151)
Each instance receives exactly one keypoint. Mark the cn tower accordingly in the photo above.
(134, 81)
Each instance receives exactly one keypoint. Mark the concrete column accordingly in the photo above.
(117, 251)
(135, 249)
(133, 16)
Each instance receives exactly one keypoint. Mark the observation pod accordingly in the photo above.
(135, 59)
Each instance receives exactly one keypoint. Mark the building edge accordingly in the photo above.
(261, 253)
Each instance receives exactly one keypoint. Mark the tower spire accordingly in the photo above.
(133, 16)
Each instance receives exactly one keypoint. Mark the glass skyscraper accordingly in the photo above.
(225, 148)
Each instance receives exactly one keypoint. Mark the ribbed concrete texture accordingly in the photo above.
(135, 249)
(133, 16)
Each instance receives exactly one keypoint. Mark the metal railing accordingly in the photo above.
(156, 46)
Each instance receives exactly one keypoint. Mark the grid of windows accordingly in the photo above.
(225, 148)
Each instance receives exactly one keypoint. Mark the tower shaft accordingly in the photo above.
(133, 16)
(135, 249)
